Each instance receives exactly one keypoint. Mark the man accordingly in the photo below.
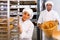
(48, 14)
(26, 27)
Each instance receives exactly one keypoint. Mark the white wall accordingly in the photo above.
(56, 5)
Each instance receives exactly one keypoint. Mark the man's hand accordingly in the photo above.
(57, 22)
(39, 25)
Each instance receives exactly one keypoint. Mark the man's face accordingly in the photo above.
(49, 6)
(25, 16)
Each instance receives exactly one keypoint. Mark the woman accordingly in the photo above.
(26, 27)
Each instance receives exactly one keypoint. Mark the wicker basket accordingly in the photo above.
(48, 31)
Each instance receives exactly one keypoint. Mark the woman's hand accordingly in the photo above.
(19, 29)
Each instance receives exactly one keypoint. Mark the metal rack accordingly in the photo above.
(14, 34)
(3, 20)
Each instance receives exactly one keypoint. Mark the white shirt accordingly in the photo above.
(47, 16)
(27, 29)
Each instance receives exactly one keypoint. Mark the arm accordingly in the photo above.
(19, 29)
(40, 21)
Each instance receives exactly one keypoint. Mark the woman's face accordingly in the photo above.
(25, 16)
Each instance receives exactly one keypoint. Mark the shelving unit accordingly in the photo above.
(3, 20)
(14, 14)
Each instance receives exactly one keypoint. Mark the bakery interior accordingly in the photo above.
(11, 10)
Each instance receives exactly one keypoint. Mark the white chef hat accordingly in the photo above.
(30, 11)
(49, 2)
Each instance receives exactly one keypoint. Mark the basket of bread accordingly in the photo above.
(48, 27)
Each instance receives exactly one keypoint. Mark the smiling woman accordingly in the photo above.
(26, 25)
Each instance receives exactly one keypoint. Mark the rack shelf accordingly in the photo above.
(3, 20)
